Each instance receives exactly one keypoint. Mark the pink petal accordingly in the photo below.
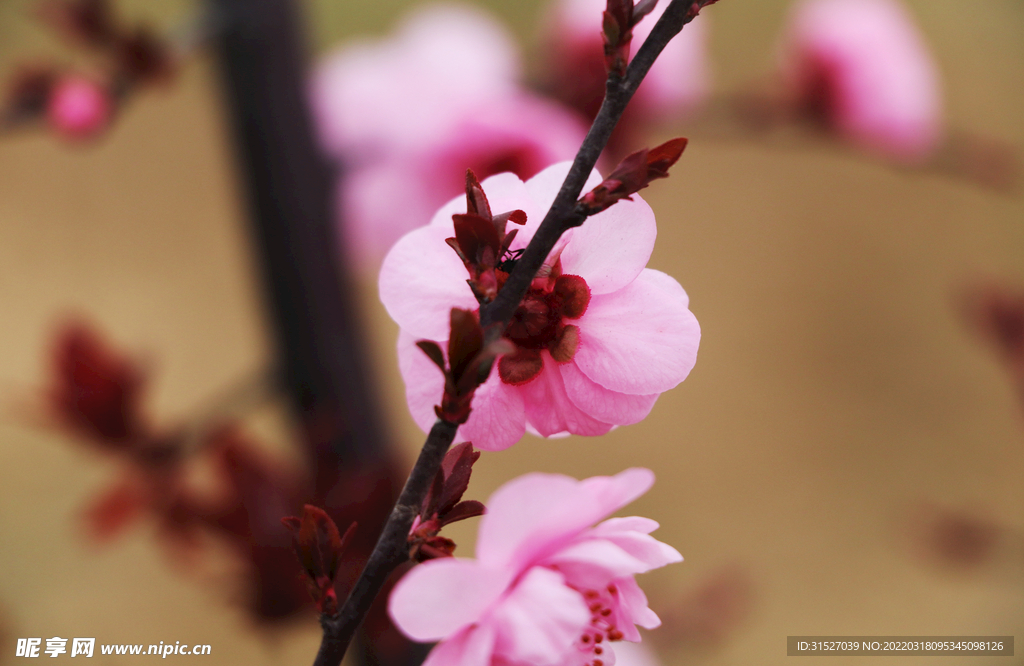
(885, 81)
(443, 58)
(614, 526)
(470, 647)
(548, 408)
(539, 621)
(532, 516)
(421, 280)
(438, 598)
(652, 553)
(543, 187)
(497, 420)
(641, 339)
(424, 383)
(612, 247)
(601, 403)
(592, 563)
(633, 602)
(519, 132)
(379, 203)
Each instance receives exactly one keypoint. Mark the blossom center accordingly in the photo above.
(602, 624)
(540, 322)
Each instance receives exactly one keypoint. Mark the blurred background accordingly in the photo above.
(845, 459)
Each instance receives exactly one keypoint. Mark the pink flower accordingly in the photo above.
(78, 107)
(862, 67)
(598, 338)
(546, 589)
(408, 115)
(677, 83)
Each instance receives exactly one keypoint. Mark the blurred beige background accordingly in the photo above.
(836, 388)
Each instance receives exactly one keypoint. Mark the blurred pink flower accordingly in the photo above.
(863, 67)
(546, 589)
(676, 84)
(598, 337)
(78, 107)
(409, 114)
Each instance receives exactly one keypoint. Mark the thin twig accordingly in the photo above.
(392, 548)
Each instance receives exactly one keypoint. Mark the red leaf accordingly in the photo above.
(476, 200)
(466, 341)
(462, 511)
(96, 389)
(457, 468)
(112, 511)
(433, 351)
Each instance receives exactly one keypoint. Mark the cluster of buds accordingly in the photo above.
(319, 546)
(634, 173)
(443, 505)
(482, 242)
(470, 359)
(77, 105)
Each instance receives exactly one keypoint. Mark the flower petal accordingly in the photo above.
(539, 621)
(438, 598)
(532, 516)
(470, 647)
(592, 563)
(548, 408)
(421, 280)
(647, 549)
(633, 603)
(612, 247)
(604, 404)
(614, 526)
(379, 203)
(641, 339)
(498, 419)
(424, 383)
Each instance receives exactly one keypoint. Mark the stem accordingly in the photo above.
(563, 214)
(391, 549)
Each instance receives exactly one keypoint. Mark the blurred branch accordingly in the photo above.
(289, 188)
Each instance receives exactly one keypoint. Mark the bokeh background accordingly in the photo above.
(837, 391)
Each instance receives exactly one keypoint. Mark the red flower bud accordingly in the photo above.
(634, 173)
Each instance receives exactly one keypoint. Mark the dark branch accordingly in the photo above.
(391, 551)
(392, 547)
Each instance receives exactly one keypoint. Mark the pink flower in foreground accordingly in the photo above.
(78, 107)
(677, 82)
(546, 589)
(863, 67)
(408, 115)
(598, 336)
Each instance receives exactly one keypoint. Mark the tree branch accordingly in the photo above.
(564, 214)
(392, 548)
